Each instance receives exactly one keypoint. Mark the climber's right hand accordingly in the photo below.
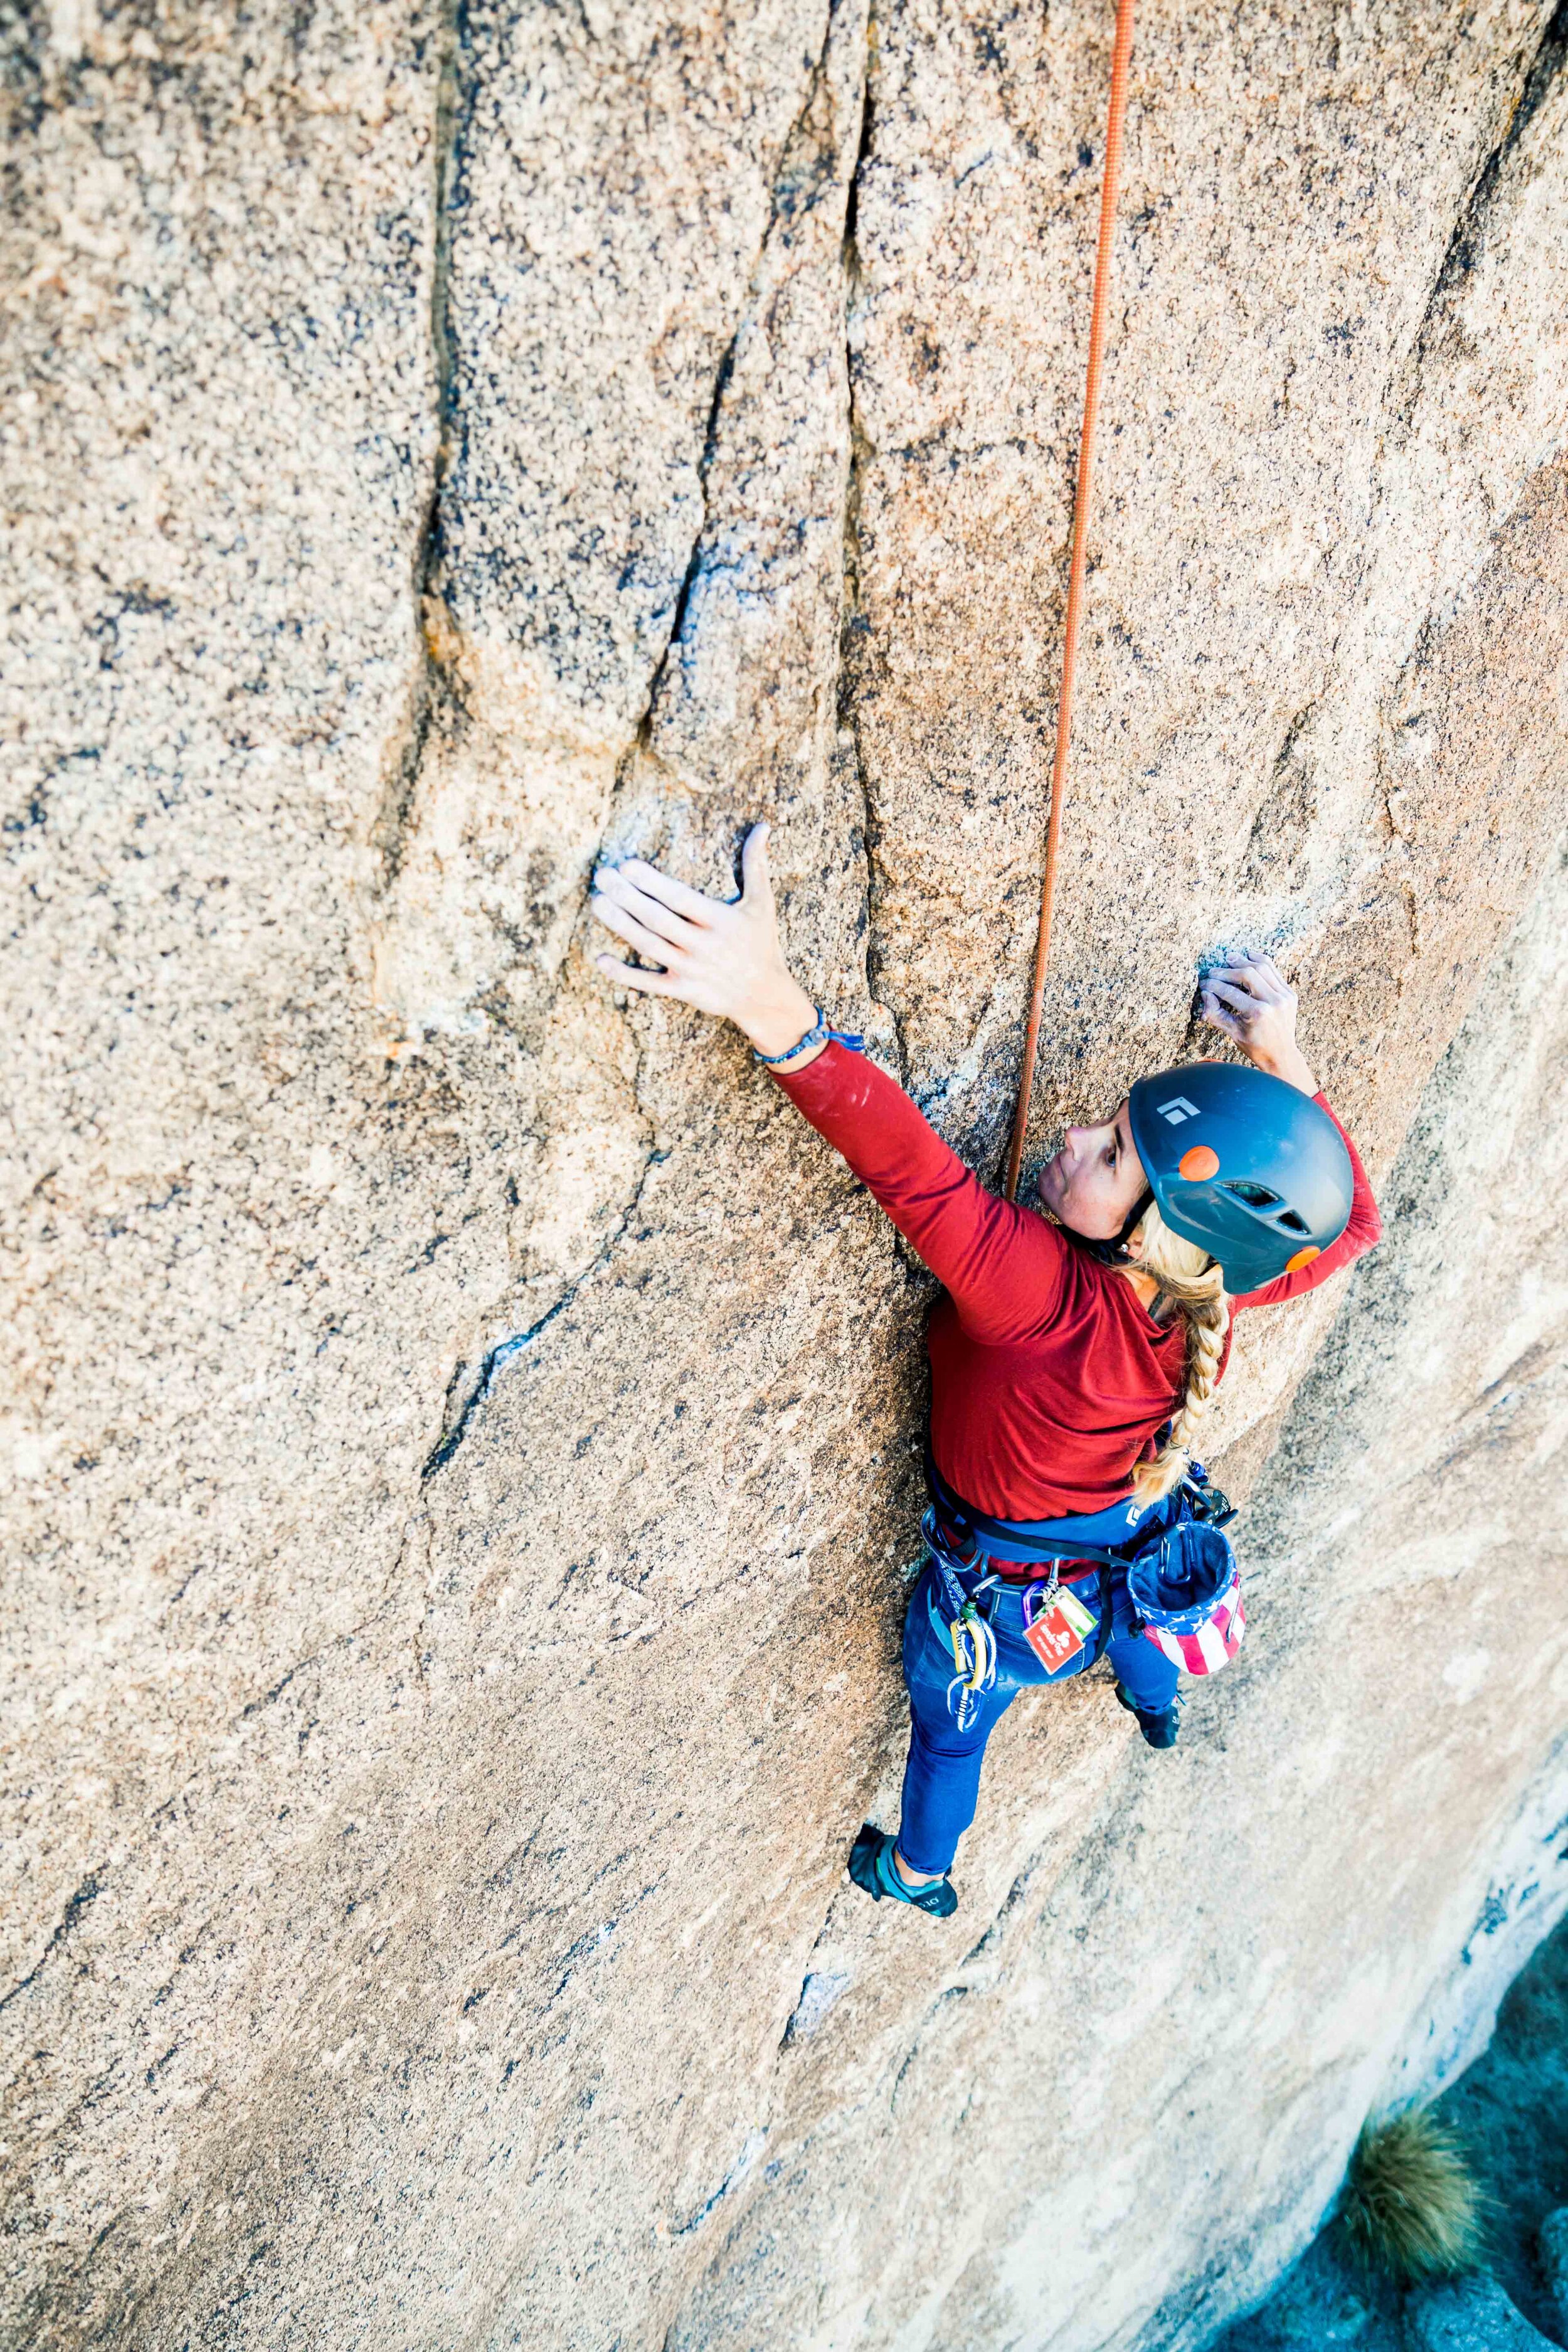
(723, 956)
(1253, 1002)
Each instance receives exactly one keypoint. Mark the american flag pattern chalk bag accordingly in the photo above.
(1186, 1593)
(1212, 1645)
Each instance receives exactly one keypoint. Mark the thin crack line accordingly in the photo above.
(1546, 62)
(90, 1890)
(433, 682)
(856, 626)
(496, 1358)
(92, 1885)
(724, 376)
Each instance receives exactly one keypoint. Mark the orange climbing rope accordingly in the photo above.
(1121, 52)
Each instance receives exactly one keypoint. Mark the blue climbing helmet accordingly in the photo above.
(1249, 1168)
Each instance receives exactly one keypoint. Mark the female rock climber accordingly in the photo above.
(1077, 1343)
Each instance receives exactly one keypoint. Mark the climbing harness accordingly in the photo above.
(1021, 1542)
(1122, 51)
(1174, 1577)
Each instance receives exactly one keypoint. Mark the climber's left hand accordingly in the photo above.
(724, 956)
(1252, 1002)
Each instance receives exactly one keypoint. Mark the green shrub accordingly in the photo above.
(1411, 2207)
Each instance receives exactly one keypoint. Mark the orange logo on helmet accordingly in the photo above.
(1198, 1163)
(1301, 1258)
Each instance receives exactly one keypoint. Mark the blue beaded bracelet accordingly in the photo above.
(821, 1035)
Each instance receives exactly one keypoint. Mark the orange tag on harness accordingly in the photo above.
(1059, 1635)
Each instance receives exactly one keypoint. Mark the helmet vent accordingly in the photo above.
(1277, 1212)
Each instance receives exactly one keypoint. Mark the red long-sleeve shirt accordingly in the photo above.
(1050, 1376)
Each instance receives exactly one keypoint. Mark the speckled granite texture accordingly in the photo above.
(463, 1431)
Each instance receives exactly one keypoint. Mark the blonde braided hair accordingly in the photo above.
(1194, 1285)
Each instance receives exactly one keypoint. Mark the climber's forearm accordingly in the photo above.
(725, 957)
(1002, 1265)
(1290, 1064)
(777, 1016)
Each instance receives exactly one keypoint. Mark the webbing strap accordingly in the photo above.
(1029, 1537)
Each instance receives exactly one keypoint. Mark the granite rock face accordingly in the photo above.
(464, 1431)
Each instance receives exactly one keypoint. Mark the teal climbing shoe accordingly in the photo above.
(871, 1866)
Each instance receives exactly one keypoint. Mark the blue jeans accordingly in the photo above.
(942, 1777)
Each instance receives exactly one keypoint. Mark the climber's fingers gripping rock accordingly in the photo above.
(1248, 996)
(1251, 1001)
(708, 951)
(722, 956)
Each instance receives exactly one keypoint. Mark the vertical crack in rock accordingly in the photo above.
(449, 96)
(861, 449)
(420, 1529)
(90, 1890)
(472, 1383)
(985, 1944)
(1412, 916)
(1534, 71)
(1403, 392)
(1286, 811)
(948, 1992)
(469, 1386)
(821, 1991)
(779, 202)
(694, 559)
(855, 635)
(1469, 229)
(755, 2142)
(433, 686)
